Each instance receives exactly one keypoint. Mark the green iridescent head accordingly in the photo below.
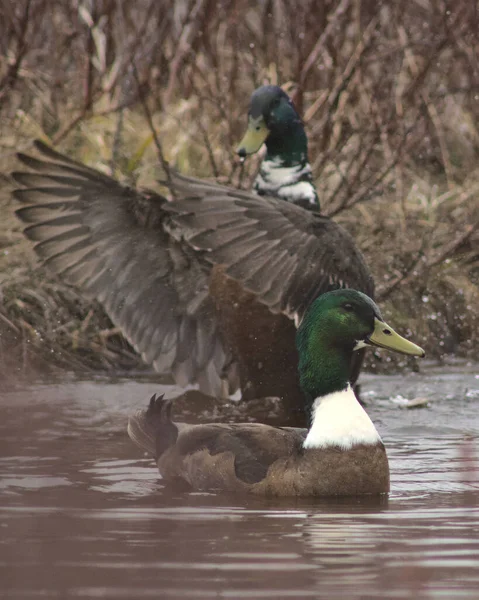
(273, 120)
(337, 324)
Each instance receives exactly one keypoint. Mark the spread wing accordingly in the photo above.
(144, 258)
(280, 252)
(118, 246)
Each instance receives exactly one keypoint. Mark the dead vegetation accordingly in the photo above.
(389, 93)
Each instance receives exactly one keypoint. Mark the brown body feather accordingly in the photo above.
(257, 458)
(269, 359)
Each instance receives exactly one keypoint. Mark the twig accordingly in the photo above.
(332, 99)
(413, 272)
(318, 47)
(11, 76)
(190, 28)
(452, 246)
(431, 108)
(159, 148)
(9, 323)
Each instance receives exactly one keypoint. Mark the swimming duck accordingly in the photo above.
(191, 312)
(340, 454)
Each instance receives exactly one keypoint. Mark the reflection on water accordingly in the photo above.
(84, 515)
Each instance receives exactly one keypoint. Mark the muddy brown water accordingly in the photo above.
(83, 514)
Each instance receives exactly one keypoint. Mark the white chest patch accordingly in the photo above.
(339, 420)
(285, 181)
(298, 191)
(277, 175)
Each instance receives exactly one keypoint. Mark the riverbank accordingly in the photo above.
(419, 253)
(389, 99)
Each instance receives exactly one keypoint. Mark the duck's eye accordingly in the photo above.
(348, 307)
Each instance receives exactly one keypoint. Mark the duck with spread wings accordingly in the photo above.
(208, 286)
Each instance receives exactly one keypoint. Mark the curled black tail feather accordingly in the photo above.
(159, 416)
(152, 429)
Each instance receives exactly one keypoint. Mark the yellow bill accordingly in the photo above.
(254, 137)
(385, 337)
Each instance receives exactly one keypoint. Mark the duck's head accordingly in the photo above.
(272, 119)
(337, 324)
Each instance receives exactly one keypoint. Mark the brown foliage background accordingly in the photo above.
(389, 92)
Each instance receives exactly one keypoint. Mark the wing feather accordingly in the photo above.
(114, 243)
(308, 254)
(148, 260)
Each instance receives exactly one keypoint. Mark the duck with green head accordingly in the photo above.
(341, 453)
(207, 287)
(285, 171)
(278, 255)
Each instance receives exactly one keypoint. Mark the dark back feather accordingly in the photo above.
(280, 252)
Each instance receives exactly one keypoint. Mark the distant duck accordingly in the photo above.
(285, 171)
(211, 291)
(341, 454)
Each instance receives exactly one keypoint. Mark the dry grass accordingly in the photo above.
(390, 97)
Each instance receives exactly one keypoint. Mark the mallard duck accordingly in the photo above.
(173, 301)
(285, 171)
(340, 454)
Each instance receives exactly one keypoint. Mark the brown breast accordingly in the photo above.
(329, 472)
(263, 344)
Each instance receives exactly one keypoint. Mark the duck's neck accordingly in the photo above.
(336, 417)
(323, 368)
(338, 420)
(285, 171)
